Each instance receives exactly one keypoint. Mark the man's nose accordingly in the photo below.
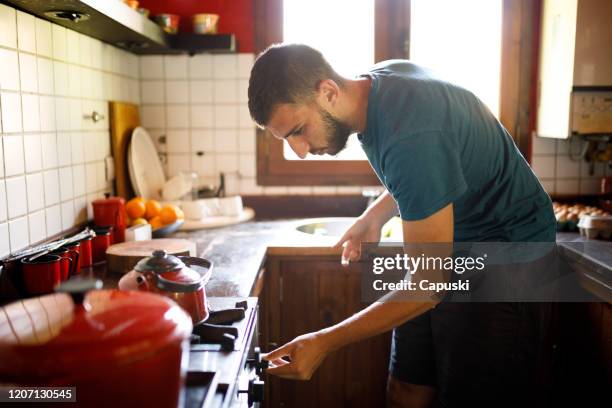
(299, 146)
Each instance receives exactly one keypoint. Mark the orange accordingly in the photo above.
(135, 208)
(153, 208)
(170, 213)
(139, 221)
(156, 223)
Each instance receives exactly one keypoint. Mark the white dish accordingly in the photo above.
(146, 173)
(219, 221)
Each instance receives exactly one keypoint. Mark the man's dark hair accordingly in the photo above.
(286, 73)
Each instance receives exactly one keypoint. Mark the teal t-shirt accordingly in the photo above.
(433, 143)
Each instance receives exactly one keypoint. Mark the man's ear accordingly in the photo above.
(327, 93)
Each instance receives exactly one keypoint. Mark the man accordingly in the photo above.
(455, 175)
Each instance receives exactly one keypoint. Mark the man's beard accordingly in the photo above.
(337, 133)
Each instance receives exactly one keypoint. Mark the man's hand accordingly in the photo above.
(363, 230)
(305, 354)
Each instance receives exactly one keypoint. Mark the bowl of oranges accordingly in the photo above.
(164, 219)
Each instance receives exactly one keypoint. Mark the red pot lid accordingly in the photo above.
(51, 339)
(172, 272)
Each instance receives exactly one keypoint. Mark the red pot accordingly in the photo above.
(86, 253)
(100, 244)
(67, 268)
(181, 278)
(115, 347)
(44, 273)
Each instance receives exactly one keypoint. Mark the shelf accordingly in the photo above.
(113, 22)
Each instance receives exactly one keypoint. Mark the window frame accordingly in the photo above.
(392, 40)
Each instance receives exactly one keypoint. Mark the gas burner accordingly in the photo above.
(217, 328)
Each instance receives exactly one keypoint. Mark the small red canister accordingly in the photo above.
(76, 248)
(67, 268)
(86, 252)
(110, 212)
(43, 274)
(100, 243)
(115, 347)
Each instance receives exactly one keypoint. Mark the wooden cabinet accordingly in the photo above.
(305, 294)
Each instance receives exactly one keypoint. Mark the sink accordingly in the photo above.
(327, 227)
(337, 226)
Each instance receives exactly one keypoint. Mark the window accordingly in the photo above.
(483, 45)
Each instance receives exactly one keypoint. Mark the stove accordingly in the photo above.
(225, 365)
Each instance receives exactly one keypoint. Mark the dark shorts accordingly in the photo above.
(474, 354)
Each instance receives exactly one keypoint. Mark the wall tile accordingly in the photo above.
(85, 50)
(226, 141)
(14, 162)
(590, 186)
(246, 141)
(38, 227)
(1, 158)
(31, 112)
(72, 47)
(567, 186)
(246, 165)
(244, 117)
(77, 148)
(177, 92)
(5, 247)
(74, 80)
(226, 116)
(53, 217)
(76, 113)
(78, 179)
(44, 38)
(90, 178)
(153, 92)
(47, 113)
(275, 190)
(67, 214)
(324, 190)
(178, 163)
(100, 176)
(28, 72)
(204, 165)
(9, 70)
(60, 75)
(245, 63)
(202, 140)
(201, 116)
(227, 163)
(177, 116)
(51, 180)
(80, 210)
(567, 168)
(62, 113)
(36, 191)
(3, 210)
(248, 186)
(60, 44)
(175, 66)
(201, 91)
(18, 231)
(153, 116)
(544, 145)
(243, 91)
(226, 91)
(65, 175)
(64, 149)
(178, 141)
(86, 82)
(16, 202)
(299, 190)
(96, 54)
(11, 112)
(8, 27)
(201, 66)
(49, 148)
(32, 152)
(225, 66)
(26, 32)
(151, 67)
(599, 169)
(543, 166)
(45, 76)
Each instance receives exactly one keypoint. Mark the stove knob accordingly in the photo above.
(256, 391)
(260, 364)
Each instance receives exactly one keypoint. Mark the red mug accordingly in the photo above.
(110, 212)
(100, 243)
(75, 247)
(42, 274)
(85, 253)
(68, 269)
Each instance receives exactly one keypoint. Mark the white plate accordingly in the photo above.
(146, 173)
(221, 221)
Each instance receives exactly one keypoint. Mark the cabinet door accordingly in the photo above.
(313, 294)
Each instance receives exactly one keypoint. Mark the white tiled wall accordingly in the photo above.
(200, 104)
(556, 164)
(51, 158)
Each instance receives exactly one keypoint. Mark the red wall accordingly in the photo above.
(235, 16)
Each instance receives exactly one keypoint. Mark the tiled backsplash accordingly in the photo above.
(556, 164)
(51, 158)
(200, 104)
